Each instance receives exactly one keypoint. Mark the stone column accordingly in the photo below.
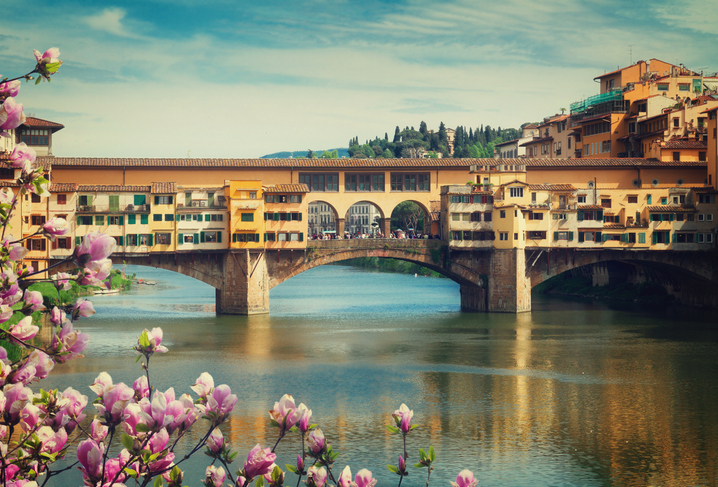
(599, 275)
(473, 298)
(245, 287)
(385, 226)
(509, 286)
(340, 226)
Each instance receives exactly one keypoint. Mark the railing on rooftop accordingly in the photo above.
(113, 209)
(612, 95)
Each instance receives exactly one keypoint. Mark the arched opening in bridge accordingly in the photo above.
(322, 219)
(363, 218)
(410, 218)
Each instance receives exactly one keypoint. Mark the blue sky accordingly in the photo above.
(235, 78)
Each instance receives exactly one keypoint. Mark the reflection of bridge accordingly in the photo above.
(493, 280)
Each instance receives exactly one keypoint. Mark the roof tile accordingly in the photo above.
(163, 188)
(287, 188)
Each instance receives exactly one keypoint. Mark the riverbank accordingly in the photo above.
(390, 265)
(577, 285)
(52, 297)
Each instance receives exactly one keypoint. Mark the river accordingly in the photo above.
(575, 393)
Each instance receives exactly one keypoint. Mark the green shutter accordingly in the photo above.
(78, 241)
(605, 237)
(78, 220)
(219, 237)
(675, 237)
(196, 238)
(144, 219)
(581, 237)
(642, 238)
(580, 215)
(140, 199)
(265, 237)
(234, 237)
(131, 219)
(300, 217)
(672, 215)
(121, 240)
(99, 220)
(206, 217)
(624, 237)
(151, 239)
(276, 217)
(180, 241)
(570, 236)
(157, 200)
(122, 220)
(599, 215)
(555, 236)
(598, 237)
(555, 216)
(301, 236)
(654, 237)
(649, 200)
(201, 236)
(177, 217)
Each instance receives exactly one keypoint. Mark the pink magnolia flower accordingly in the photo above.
(149, 342)
(316, 477)
(62, 280)
(285, 412)
(220, 404)
(402, 464)
(55, 227)
(68, 343)
(6, 313)
(42, 362)
(114, 401)
(215, 442)
(11, 116)
(30, 417)
(33, 300)
(51, 441)
(364, 478)
(98, 431)
(82, 308)
(24, 329)
(22, 152)
(300, 463)
(214, 476)
(204, 385)
(10, 88)
(306, 416)
(70, 411)
(259, 462)
(403, 417)
(465, 479)
(95, 246)
(89, 454)
(317, 442)
(102, 384)
(141, 388)
(16, 251)
(345, 478)
(48, 62)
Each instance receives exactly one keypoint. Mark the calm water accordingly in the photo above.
(573, 394)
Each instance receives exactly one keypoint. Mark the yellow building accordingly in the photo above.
(285, 211)
(162, 217)
(245, 202)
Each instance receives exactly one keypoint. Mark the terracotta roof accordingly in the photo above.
(622, 162)
(685, 144)
(9, 184)
(200, 188)
(614, 226)
(476, 190)
(163, 188)
(286, 188)
(605, 116)
(112, 188)
(536, 141)
(552, 187)
(505, 143)
(63, 187)
(515, 181)
(671, 209)
(40, 123)
(590, 207)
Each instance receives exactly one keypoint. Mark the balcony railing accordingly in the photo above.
(113, 209)
(195, 205)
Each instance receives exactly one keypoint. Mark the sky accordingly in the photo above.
(241, 79)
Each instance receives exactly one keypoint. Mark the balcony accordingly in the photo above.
(202, 204)
(112, 209)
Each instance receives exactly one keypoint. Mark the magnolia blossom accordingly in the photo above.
(82, 308)
(89, 454)
(95, 246)
(16, 398)
(316, 477)
(204, 385)
(114, 401)
(285, 413)
(68, 410)
(306, 416)
(214, 476)
(21, 153)
(465, 479)
(402, 464)
(215, 442)
(33, 300)
(345, 478)
(11, 116)
(364, 478)
(67, 343)
(62, 280)
(403, 417)
(10, 88)
(149, 342)
(6, 313)
(220, 404)
(24, 329)
(48, 62)
(317, 442)
(55, 227)
(259, 462)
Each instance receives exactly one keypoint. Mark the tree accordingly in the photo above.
(396, 134)
(422, 128)
(407, 215)
(310, 154)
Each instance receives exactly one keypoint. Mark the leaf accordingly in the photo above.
(127, 442)
(130, 472)
(414, 426)
(143, 340)
(432, 456)
(259, 482)
(137, 359)
(273, 423)
(291, 468)
(419, 465)
(393, 468)
(393, 429)
(142, 428)
(175, 473)
(422, 454)
(158, 481)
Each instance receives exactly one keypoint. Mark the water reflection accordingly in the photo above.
(574, 393)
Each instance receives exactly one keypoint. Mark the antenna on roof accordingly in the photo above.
(188, 153)
(630, 53)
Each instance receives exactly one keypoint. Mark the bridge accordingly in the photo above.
(490, 280)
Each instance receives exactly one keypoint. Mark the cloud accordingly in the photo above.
(696, 15)
(110, 20)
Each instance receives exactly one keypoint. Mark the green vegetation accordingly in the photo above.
(577, 285)
(410, 143)
(408, 215)
(390, 265)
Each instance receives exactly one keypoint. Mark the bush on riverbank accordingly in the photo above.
(390, 265)
(578, 285)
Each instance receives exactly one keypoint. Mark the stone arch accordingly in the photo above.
(420, 204)
(349, 225)
(205, 267)
(314, 223)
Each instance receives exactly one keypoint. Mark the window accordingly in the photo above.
(64, 243)
(662, 86)
(84, 220)
(410, 182)
(132, 240)
(169, 217)
(664, 201)
(516, 192)
(350, 182)
(661, 237)
(476, 216)
(36, 136)
(533, 215)
(702, 156)
(503, 235)
(270, 237)
(676, 156)
(156, 217)
(502, 214)
(684, 87)
(163, 238)
(113, 220)
(163, 200)
(188, 238)
(252, 195)
(36, 198)
(606, 146)
(37, 244)
(38, 220)
(61, 199)
(114, 202)
(633, 199)
(212, 237)
(606, 202)
(535, 235)
(582, 198)
(676, 122)
(99, 220)
(325, 182)
(294, 198)
(560, 216)
(269, 198)
(487, 216)
(247, 217)
(131, 219)
(516, 236)
(144, 219)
